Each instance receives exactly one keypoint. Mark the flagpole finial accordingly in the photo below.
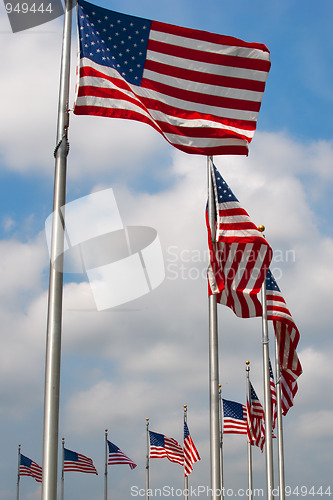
(261, 228)
(247, 362)
(147, 419)
(185, 406)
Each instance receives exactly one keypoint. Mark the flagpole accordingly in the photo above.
(106, 466)
(18, 473)
(249, 446)
(185, 477)
(62, 468)
(279, 422)
(215, 465)
(267, 392)
(221, 436)
(147, 460)
(54, 317)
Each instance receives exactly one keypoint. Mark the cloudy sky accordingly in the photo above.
(149, 357)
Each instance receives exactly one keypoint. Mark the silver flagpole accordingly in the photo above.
(215, 465)
(279, 422)
(106, 466)
(249, 446)
(147, 460)
(54, 318)
(267, 392)
(18, 472)
(185, 477)
(221, 436)
(62, 469)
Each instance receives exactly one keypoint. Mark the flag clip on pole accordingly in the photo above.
(215, 467)
(54, 315)
(267, 391)
(106, 466)
(147, 460)
(249, 446)
(18, 473)
(185, 476)
(279, 422)
(221, 437)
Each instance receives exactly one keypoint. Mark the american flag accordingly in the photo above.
(191, 454)
(116, 456)
(75, 462)
(287, 336)
(273, 396)
(162, 446)
(29, 468)
(241, 256)
(202, 91)
(256, 420)
(234, 417)
(288, 390)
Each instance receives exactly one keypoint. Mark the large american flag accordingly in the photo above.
(75, 462)
(191, 454)
(234, 417)
(202, 91)
(287, 336)
(239, 254)
(116, 456)
(164, 447)
(256, 420)
(30, 468)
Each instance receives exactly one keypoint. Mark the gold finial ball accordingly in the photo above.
(261, 228)
(185, 406)
(147, 419)
(247, 362)
(220, 385)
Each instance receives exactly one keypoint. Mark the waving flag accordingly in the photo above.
(29, 468)
(116, 456)
(75, 462)
(240, 256)
(234, 417)
(191, 454)
(288, 390)
(256, 420)
(273, 396)
(162, 446)
(287, 336)
(202, 91)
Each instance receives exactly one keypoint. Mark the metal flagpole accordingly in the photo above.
(215, 465)
(221, 436)
(267, 392)
(147, 460)
(279, 422)
(62, 469)
(185, 477)
(106, 466)
(54, 318)
(18, 472)
(249, 446)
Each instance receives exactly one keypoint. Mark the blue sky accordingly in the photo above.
(149, 357)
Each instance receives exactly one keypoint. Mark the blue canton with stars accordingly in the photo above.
(113, 39)
(271, 283)
(232, 409)
(224, 192)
